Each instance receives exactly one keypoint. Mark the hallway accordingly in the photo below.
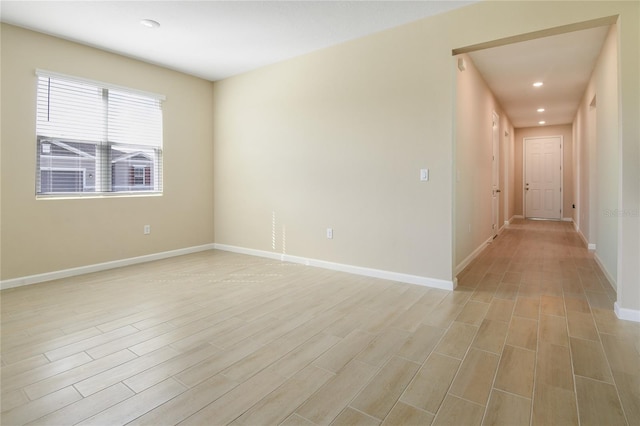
(564, 348)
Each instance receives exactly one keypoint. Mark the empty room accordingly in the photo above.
(319, 212)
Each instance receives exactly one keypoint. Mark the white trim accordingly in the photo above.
(505, 224)
(507, 147)
(251, 252)
(626, 314)
(52, 74)
(357, 270)
(567, 219)
(524, 179)
(562, 190)
(495, 172)
(612, 282)
(351, 269)
(65, 273)
(472, 256)
(516, 216)
(589, 245)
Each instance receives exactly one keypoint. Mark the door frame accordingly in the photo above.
(495, 173)
(524, 173)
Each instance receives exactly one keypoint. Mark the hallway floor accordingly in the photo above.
(213, 338)
(566, 356)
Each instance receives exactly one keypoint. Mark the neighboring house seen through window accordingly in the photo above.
(94, 138)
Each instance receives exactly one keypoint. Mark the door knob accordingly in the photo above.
(497, 190)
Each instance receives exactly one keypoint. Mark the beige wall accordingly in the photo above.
(475, 105)
(336, 138)
(597, 132)
(41, 236)
(566, 131)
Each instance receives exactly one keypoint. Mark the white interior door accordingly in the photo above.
(543, 177)
(495, 174)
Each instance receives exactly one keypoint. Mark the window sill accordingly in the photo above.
(98, 196)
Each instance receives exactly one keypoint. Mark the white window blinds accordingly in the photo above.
(97, 138)
(70, 110)
(134, 119)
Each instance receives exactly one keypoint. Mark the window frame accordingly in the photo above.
(103, 158)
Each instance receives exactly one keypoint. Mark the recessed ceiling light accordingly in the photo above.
(541, 122)
(538, 84)
(149, 23)
(540, 109)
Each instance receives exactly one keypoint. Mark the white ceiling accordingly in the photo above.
(563, 62)
(218, 39)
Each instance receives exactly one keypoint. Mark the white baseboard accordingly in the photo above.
(467, 260)
(504, 225)
(584, 239)
(606, 273)
(516, 216)
(357, 270)
(567, 219)
(66, 273)
(626, 314)
(251, 252)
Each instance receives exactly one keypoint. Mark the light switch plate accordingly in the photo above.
(424, 175)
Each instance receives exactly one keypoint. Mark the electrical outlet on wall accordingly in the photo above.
(330, 233)
(147, 229)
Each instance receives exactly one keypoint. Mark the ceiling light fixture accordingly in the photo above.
(538, 84)
(149, 23)
(540, 109)
(542, 122)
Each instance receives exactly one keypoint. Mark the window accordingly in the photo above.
(138, 175)
(94, 138)
(62, 180)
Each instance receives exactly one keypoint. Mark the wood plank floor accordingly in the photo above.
(529, 337)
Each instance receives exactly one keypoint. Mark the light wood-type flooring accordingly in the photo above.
(214, 338)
